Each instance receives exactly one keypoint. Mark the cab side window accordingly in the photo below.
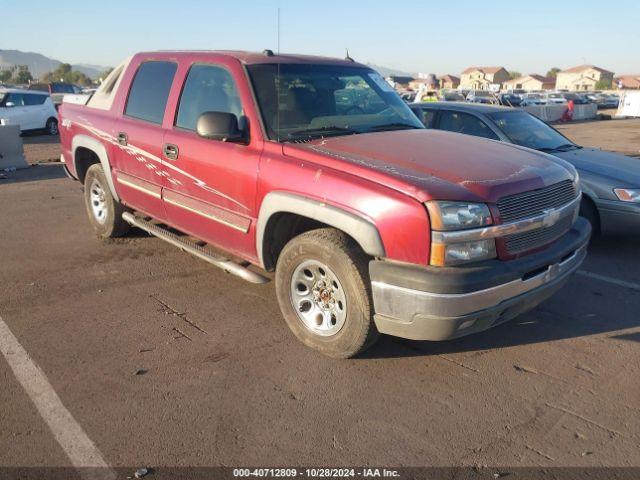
(459, 122)
(208, 88)
(150, 90)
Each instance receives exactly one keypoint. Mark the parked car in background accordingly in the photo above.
(481, 96)
(56, 90)
(29, 109)
(609, 101)
(532, 99)
(315, 168)
(610, 182)
(577, 98)
(554, 98)
(452, 96)
(509, 99)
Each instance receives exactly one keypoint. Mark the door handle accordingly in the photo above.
(170, 151)
(122, 138)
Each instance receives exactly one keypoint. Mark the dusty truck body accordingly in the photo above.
(316, 169)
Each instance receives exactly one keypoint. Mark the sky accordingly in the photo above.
(422, 36)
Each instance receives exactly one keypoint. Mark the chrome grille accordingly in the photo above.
(535, 202)
(521, 242)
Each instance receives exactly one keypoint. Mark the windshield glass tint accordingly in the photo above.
(320, 100)
(526, 130)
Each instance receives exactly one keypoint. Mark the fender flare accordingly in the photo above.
(98, 148)
(360, 229)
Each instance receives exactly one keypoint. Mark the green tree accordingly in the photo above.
(603, 84)
(514, 74)
(553, 73)
(5, 75)
(22, 75)
(64, 73)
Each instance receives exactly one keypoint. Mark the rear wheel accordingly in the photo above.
(52, 126)
(323, 290)
(105, 212)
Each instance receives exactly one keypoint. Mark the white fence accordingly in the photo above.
(553, 113)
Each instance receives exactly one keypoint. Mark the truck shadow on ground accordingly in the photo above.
(38, 172)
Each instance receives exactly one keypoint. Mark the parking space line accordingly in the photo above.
(614, 281)
(81, 451)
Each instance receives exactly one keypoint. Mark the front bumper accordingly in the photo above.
(619, 218)
(435, 303)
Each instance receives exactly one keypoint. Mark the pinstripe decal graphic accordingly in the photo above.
(143, 156)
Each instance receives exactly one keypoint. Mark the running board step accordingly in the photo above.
(188, 246)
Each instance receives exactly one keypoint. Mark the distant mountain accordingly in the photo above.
(385, 71)
(39, 64)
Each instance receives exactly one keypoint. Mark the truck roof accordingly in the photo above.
(253, 58)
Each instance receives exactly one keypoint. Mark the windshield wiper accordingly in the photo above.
(560, 148)
(321, 131)
(392, 126)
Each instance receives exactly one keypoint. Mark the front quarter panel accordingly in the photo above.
(401, 221)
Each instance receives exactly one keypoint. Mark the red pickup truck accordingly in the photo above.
(315, 168)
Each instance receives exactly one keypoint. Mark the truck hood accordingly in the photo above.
(606, 164)
(433, 164)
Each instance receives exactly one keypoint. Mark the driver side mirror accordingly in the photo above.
(9, 104)
(221, 126)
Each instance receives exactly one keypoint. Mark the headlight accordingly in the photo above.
(458, 215)
(627, 194)
(457, 253)
(447, 216)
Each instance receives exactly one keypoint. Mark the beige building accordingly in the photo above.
(582, 77)
(627, 82)
(417, 83)
(530, 82)
(449, 81)
(480, 78)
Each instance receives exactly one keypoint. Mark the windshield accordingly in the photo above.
(315, 101)
(524, 129)
(2, 95)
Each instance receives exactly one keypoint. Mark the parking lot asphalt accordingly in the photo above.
(163, 360)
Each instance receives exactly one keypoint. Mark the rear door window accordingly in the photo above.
(426, 116)
(32, 99)
(459, 122)
(208, 88)
(150, 90)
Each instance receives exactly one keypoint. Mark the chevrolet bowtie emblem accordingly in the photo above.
(551, 217)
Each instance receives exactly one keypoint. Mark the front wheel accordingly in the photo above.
(52, 126)
(322, 284)
(105, 212)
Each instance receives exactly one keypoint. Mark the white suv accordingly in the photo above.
(30, 109)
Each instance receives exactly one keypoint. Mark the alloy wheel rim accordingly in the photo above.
(318, 298)
(98, 200)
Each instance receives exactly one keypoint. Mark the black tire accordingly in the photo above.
(109, 224)
(346, 260)
(589, 211)
(51, 126)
